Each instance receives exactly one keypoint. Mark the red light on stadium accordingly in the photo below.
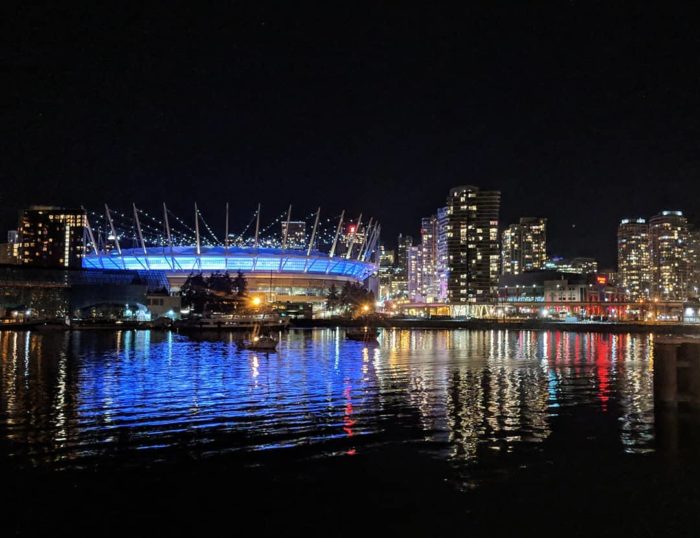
(601, 279)
(352, 228)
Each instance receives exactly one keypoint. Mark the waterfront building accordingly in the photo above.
(549, 293)
(633, 261)
(37, 293)
(294, 234)
(472, 244)
(52, 237)
(524, 246)
(668, 252)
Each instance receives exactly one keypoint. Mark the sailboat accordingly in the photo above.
(367, 333)
(260, 342)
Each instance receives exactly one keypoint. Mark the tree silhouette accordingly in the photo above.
(332, 299)
(241, 284)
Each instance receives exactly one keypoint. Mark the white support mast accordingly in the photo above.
(90, 234)
(257, 226)
(114, 232)
(138, 229)
(167, 228)
(196, 229)
(337, 234)
(286, 228)
(313, 233)
(375, 240)
(372, 242)
(353, 236)
(226, 233)
(365, 243)
(365, 238)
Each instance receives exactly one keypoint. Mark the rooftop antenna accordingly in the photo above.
(337, 234)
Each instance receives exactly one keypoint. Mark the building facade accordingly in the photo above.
(443, 269)
(633, 262)
(472, 244)
(694, 264)
(668, 252)
(52, 237)
(429, 286)
(399, 283)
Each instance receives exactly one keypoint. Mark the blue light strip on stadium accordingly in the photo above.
(247, 260)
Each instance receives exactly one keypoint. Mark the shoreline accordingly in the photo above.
(389, 323)
(520, 325)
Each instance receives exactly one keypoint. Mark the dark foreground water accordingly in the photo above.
(428, 432)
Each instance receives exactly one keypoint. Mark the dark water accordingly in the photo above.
(422, 415)
(75, 399)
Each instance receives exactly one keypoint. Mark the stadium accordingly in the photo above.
(284, 261)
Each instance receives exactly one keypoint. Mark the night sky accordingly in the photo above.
(581, 112)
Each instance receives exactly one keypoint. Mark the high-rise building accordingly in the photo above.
(524, 246)
(415, 273)
(668, 251)
(534, 242)
(399, 283)
(429, 285)
(9, 252)
(52, 237)
(295, 234)
(443, 270)
(633, 262)
(386, 273)
(694, 264)
(511, 250)
(472, 244)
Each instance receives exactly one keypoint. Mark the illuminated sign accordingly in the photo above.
(601, 279)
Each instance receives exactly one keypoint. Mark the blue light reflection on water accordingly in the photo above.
(69, 397)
